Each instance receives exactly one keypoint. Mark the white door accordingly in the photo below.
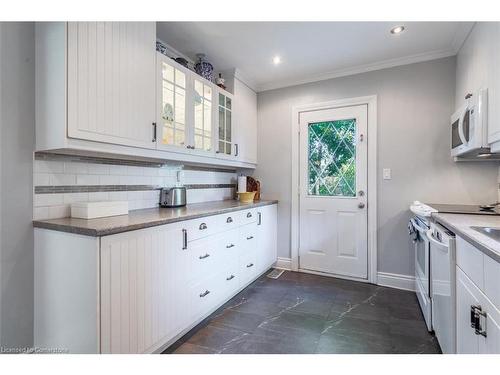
(333, 191)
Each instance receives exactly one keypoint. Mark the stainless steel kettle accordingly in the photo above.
(173, 197)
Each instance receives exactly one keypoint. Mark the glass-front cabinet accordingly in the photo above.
(203, 115)
(225, 124)
(172, 99)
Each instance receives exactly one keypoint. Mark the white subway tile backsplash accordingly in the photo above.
(109, 180)
(40, 213)
(62, 179)
(89, 179)
(56, 212)
(99, 169)
(118, 169)
(41, 179)
(48, 199)
(76, 168)
(75, 197)
(49, 166)
(75, 173)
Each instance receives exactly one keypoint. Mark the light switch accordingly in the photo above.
(386, 173)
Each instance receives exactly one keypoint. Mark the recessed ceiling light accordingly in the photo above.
(397, 29)
(276, 60)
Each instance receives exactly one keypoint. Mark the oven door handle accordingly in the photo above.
(441, 246)
(418, 227)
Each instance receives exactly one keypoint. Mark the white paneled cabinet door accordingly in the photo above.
(245, 115)
(202, 137)
(267, 235)
(224, 119)
(111, 82)
(467, 340)
(142, 304)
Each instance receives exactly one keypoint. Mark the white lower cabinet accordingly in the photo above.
(478, 314)
(156, 283)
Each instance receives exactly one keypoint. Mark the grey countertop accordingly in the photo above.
(139, 219)
(461, 224)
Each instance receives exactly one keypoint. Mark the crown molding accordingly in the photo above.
(390, 63)
(462, 35)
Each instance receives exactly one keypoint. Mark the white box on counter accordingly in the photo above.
(93, 210)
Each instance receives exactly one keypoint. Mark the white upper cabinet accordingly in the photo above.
(478, 66)
(101, 88)
(245, 120)
(172, 86)
(111, 82)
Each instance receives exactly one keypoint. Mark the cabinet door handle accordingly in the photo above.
(249, 265)
(184, 239)
(230, 277)
(249, 238)
(229, 246)
(476, 313)
(205, 293)
(236, 149)
(154, 132)
(229, 219)
(249, 215)
(203, 226)
(259, 221)
(204, 256)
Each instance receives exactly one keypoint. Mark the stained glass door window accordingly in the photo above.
(332, 158)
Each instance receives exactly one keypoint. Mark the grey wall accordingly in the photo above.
(17, 123)
(414, 105)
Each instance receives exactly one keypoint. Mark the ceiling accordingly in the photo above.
(311, 51)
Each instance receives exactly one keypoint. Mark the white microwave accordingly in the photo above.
(469, 126)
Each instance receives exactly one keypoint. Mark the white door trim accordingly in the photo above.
(371, 101)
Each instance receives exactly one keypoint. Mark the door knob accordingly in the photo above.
(361, 205)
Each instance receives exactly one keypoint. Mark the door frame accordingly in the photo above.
(371, 102)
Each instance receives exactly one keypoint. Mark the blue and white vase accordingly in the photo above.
(204, 68)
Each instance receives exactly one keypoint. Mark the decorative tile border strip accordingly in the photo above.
(210, 186)
(100, 188)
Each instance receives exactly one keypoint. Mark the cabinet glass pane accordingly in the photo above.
(180, 78)
(332, 158)
(208, 92)
(222, 100)
(222, 121)
(168, 72)
(198, 142)
(228, 148)
(221, 146)
(228, 126)
(228, 103)
(198, 88)
(173, 105)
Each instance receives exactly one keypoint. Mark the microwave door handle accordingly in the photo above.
(461, 133)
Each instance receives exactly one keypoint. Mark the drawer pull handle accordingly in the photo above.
(205, 293)
(249, 214)
(249, 265)
(184, 239)
(230, 277)
(204, 256)
(249, 238)
(260, 219)
(229, 246)
(229, 219)
(203, 226)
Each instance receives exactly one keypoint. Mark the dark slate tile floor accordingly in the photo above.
(302, 313)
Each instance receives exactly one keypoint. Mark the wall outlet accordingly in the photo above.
(386, 173)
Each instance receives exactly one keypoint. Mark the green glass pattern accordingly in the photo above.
(332, 158)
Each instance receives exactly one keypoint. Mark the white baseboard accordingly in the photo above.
(284, 264)
(394, 280)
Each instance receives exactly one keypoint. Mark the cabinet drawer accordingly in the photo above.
(230, 278)
(203, 296)
(204, 257)
(248, 239)
(246, 216)
(470, 260)
(203, 227)
(248, 268)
